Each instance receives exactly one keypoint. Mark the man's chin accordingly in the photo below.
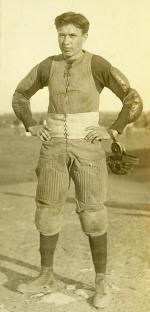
(67, 54)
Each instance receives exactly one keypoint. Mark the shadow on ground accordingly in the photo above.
(15, 278)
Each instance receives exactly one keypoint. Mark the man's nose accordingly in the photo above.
(66, 40)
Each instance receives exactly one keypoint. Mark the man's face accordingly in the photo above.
(70, 40)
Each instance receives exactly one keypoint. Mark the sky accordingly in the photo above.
(119, 32)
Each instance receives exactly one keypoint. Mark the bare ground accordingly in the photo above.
(128, 249)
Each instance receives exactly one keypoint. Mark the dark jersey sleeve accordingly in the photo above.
(36, 79)
(105, 75)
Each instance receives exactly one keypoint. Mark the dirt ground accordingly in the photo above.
(128, 249)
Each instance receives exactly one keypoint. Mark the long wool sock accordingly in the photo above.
(98, 247)
(47, 249)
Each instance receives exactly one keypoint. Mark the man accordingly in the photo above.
(71, 145)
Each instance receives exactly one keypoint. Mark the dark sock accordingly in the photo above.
(47, 249)
(98, 245)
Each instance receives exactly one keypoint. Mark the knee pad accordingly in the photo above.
(48, 220)
(93, 218)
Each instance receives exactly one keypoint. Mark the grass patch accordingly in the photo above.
(19, 157)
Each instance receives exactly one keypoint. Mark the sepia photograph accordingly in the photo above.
(74, 156)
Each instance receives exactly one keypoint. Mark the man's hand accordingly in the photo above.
(97, 134)
(42, 132)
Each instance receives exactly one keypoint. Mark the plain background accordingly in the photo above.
(119, 31)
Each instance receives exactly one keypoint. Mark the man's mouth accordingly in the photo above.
(66, 49)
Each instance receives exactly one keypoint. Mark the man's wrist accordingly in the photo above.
(113, 133)
(33, 130)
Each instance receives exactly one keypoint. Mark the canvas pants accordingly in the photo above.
(85, 163)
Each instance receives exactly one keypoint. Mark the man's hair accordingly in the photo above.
(77, 19)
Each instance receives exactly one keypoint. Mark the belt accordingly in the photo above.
(73, 126)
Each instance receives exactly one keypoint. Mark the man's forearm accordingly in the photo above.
(131, 110)
(21, 107)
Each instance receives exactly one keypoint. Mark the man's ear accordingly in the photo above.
(85, 36)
